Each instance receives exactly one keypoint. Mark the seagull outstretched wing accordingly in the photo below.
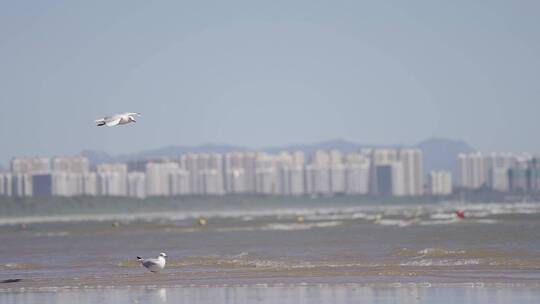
(118, 119)
(114, 121)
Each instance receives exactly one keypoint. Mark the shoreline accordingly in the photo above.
(36, 206)
(283, 294)
(382, 285)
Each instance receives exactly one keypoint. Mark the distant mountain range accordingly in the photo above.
(441, 153)
(438, 153)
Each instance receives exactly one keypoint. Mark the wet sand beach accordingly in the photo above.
(278, 254)
(283, 295)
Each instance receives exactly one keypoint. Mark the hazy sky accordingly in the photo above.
(260, 73)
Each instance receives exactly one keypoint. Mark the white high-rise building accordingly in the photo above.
(73, 164)
(298, 159)
(21, 184)
(240, 172)
(206, 172)
(159, 178)
(192, 164)
(65, 183)
(357, 167)
(68, 175)
(297, 178)
(387, 173)
(112, 179)
(381, 172)
(236, 181)
(283, 166)
(317, 180)
(265, 178)
(384, 156)
(6, 184)
(289, 173)
(249, 166)
(289, 168)
(471, 170)
(337, 172)
(30, 165)
(318, 174)
(23, 168)
(180, 182)
(211, 181)
(214, 179)
(496, 167)
(440, 183)
(235, 173)
(265, 174)
(413, 181)
(477, 170)
(90, 181)
(398, 180)
(283, 180)
(136, 184)
(296, 172)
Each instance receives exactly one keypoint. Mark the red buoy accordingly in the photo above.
(460, 214)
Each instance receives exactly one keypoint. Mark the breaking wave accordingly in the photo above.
(461, 257)
(395, 215)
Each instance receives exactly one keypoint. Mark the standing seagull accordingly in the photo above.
(117, 119)
(155, 264)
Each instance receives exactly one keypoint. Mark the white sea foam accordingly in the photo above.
(52, 234)
(327, 217)
(439, 252)
(380, 213)
(300, 226)
(443, 262)
(487, 221)
(359, 215)
(392, 222)
(155, 216)
(438, 222)
(442, 216)
(335, 212)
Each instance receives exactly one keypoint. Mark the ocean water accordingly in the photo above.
(302, 251)
(283, 295)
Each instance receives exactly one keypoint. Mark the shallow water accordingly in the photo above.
(495, 245)
(282, 295)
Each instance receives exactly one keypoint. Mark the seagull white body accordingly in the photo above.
(154, 264)
(117, 119)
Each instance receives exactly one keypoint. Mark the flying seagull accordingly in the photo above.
(155, 264)
(117, 119)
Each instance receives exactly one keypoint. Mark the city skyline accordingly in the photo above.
(100, 156)
(383, 172)
(267, 74)
(397, 172)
